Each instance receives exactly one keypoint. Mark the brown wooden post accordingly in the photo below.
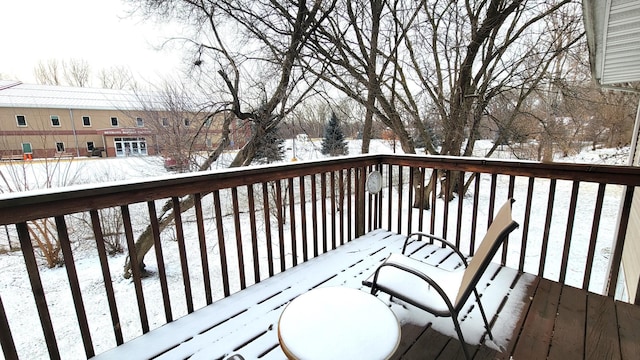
(620, 238)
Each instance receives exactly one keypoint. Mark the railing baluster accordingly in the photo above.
(280, 214)
(447, 198)
(292, 219)
(38, 290)
(224, 267)
(303, 219)
(390, 197)
(370, 205)
(461, 185)
(106, 276)
(525, 226)
(267, 226)
(547, 227)
(423, 172)
(619, 241)
(341, 204)
(434, 190)
(76, 293)
(182, 251)
(379, 198)
(505, 244)
(349, 209)
(254, 234)
(202, 241)
(360, 200)
(333, 209)
(595, 227)
(135, 268)
(569, 231)
(314, 215)
(474, 214)
(400, 190)
(6, 339)
(323, 207)
(409, 198)
(157, 245)
(492, 199)
(239, 250)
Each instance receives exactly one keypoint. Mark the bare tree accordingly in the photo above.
(256, 72)
(48, 73)
(76, 72)
(441, 57)
(116, 77)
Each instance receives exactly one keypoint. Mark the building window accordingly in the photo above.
(90, 145)
(114, 121)
(139, 122)
(22, 120)
(60, 147)
(26, 148)
(55, 120)
(86, 121)
(209, 120)
(165, 122)
(186, 122)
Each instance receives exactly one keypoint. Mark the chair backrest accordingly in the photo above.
(499, 230)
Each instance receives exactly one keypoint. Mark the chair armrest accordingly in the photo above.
(433, 237)
(419, 274)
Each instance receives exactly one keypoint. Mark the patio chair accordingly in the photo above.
(436, 290)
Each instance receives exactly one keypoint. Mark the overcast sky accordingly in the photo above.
(98, 31)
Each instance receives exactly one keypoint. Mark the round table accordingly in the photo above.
(338, 323)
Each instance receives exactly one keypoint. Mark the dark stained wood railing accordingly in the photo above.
(249, 224)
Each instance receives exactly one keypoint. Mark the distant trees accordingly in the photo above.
(77, 72)
(333, 143)
(116, 77)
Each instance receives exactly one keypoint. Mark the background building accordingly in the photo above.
(39, 121)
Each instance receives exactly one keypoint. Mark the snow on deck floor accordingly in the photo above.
(246, 322)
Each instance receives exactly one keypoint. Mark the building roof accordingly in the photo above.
(15, 94)
(613, 35)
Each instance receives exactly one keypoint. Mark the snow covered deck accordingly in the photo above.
(246, 322)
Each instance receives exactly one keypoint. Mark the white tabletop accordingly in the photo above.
(338, 323)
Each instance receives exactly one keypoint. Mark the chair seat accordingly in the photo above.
(412, 288)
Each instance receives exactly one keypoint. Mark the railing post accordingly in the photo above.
(359, 194)
(621, 233)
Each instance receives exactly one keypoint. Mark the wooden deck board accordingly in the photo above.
(628, 320)
(601, 339)
(532, 317)
(568, 334)
(534, 340)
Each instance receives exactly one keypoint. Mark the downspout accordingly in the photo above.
(75, 136)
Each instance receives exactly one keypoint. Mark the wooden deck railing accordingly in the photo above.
(248, 224)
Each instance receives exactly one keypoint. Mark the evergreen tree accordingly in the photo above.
(333, 143)
(270, 148)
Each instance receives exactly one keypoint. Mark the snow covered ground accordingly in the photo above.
(18, 300)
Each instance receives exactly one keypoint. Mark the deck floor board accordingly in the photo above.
(530, 317)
